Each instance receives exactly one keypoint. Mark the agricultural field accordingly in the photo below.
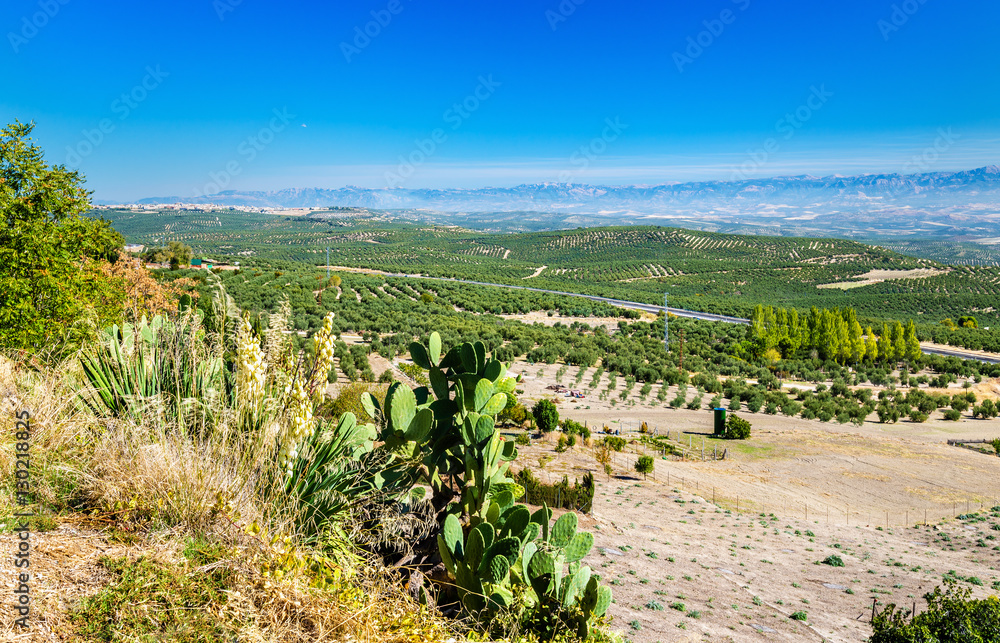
(720, 273)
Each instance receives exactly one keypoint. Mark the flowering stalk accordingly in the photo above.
(251, 371)
(301, 397)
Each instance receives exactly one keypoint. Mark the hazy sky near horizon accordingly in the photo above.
(195, 96)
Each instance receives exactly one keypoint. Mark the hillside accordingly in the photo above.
(710, 272)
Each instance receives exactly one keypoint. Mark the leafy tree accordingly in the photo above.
(885, 345)
(913, 352)
(871, 345)
(546, 415)
(968, 321)
(53, 294)
(898, 341)
(952, 616)
(644, 465)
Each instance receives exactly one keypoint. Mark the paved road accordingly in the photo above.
(680, 312)
(959, 353)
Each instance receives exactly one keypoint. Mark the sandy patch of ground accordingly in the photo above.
(877, 276)
(863, 488)
(537, 272)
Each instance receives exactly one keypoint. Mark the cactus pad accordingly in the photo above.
(452, 532)
(483, 393)
(579, 546)
(419, 355)
(434, 349)
(420, 426)
(474, 549)
(509, 548)
(495, 404)
(563, 530)
(517, 519)
(468, 354)
(603, 601)
(498, 568)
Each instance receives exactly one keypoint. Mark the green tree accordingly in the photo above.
(871, 345)
(53, 294)
(913, 352)
(898, 341)
(644, 465)
(858, 345)
(951, 616)
(885, 348)
(968, 321)
(181, 252)
(546, 415)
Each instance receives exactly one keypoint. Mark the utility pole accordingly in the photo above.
(328, 263)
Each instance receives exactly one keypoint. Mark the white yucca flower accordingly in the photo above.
(323, 342)
(251, 371)
(299, 393)
(300, 427)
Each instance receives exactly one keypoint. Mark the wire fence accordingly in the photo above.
(833, 513)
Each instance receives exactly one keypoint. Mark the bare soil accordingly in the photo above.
(693, 533)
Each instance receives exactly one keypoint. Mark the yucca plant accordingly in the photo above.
(330, 475)
(123, 371)
(164, 364)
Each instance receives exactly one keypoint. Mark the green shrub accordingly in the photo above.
(833, 560)
(951, 617)
(736, 428)
(614, 442)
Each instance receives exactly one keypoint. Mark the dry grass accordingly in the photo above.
(131, 491)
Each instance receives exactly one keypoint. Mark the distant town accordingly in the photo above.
(206, 207)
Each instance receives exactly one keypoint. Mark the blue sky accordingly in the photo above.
(196, 96)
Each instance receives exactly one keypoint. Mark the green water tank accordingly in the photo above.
(720, 421)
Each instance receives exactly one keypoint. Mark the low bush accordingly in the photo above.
(736, 428)
(833, 560)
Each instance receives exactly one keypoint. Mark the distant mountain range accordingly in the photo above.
(935, 189)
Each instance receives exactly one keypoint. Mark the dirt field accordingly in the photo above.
(878, 276)
(684, 569)
(861, 492)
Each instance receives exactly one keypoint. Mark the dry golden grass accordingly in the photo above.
(131, 490)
